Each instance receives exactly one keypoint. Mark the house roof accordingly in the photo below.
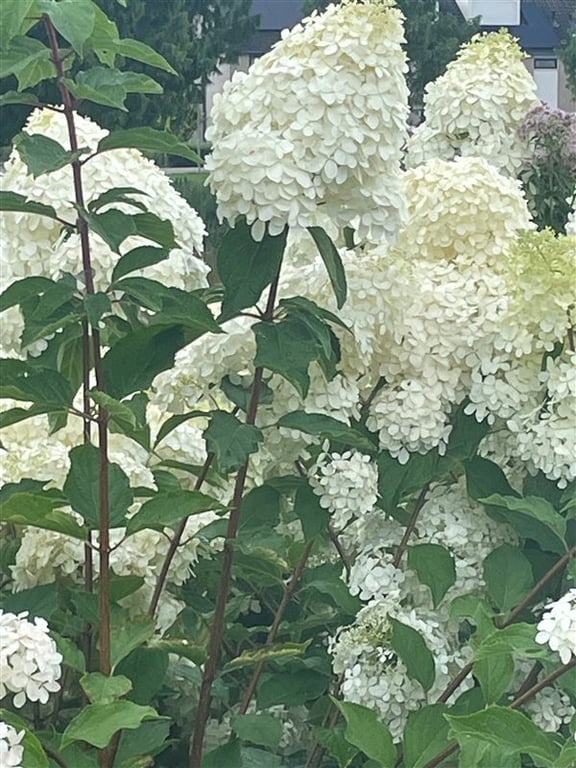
(536, 30)
(277, 14)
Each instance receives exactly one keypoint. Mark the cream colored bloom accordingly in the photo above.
(475, 107)
(316, 128)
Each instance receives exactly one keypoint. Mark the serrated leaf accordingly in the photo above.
(365, 730)
(434, 566)
(506, 729)
(15, 97)
(508, 576)
(241, 395)
(148, 140)
(104, 688)
(28, 59)
(43, 386)
(115, 226)
(14, 13)
(228, 755)
(259, 729)
(128, 635)
(332, 262)
(476, 609)
(82, 487)
(74, 20)
(16, 415)
(326, 427)
(517, 639)
(120, 412)
(230, 440)
(12, 201)
(484, 477)
(532, 517)
(20, 290)
(313, 517)
(286, 348)
(174, 421)
(96, 305)
(72, 656)
(139, 51)
(180, 647)
(246, 267)
(146, 668)
(42, 154)
(411, 648)
(38, 509)
(97, 723)
(166, 509)
(397, 481)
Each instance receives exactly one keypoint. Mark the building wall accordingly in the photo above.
(217, 80)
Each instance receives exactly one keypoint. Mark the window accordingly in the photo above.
(550, 63)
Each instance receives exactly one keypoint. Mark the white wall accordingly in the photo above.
(547, 84)
(493, 12)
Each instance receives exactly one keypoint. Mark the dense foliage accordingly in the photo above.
(321, 513)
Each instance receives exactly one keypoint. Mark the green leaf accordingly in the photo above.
(287, 348)
(128, 635)
(273, 652)
(246, 267)
(97, 723)
(425, 735)
(532, 517)
(411, 648)
(117, 195)
(148, 140)
(16, 415)
(115, 226)
(28, 59)
(258, 729)
(82, 487)
(477, 610)
(138, 746)
(74, 19)
(121, 413)
(366, 731)
(146, 668)
(72, 656)
(484, 477)
(260, 511)
(122, 586)
(55, 309)
(174, 421)
(334, 741)
(37, 509)
(397, 481)
(133, 362)
(12, 201)
(166, 509)
(476, 753)
(517, 639)
(104, 688)
(226, 756)
(327, 579)
(313, 517)
(38, 601)
(34, 755)
(14, 13)
(434, 566)
(195, 653)
(231, 441)
(15, 97)
(507, 729)
(138, 258)
(139, 51)
(20, 290)
(96, 305)
(241, 394)
(20, 381)
(466, 434)
(332, 262)
(326, 427)
(290, 688)
(508, 576)
(567, 757)
(110, 87)
(495, 675)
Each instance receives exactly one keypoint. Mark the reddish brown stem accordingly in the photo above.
(175, 543)
(217, 629)
(279, 615)
(411, 525)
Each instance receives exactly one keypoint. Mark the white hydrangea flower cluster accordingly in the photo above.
(476, 106)
(11, 749)
(464, 210)
(550, 709)
(375, 677)
(30, 665)
(346, 483)
(315, 130)
(37, 245)
(557, 627)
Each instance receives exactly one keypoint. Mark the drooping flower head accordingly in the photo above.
(11, 750)
(316, 127)
(475, 107)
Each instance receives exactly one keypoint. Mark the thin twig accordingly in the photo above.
(279, 615)
(411, 525)
(218, 623)
(333, 536)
